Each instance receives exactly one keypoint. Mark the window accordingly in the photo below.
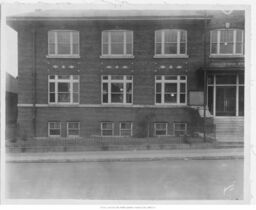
(73, 129)
(107, 129)
(171, 42)
(180, 129)
(160, 129)
(63, 89)
(119, 43)
(117, 89)
(63, 43)
(125, 129)
(54, 129)
(227, 42)
(171, 89)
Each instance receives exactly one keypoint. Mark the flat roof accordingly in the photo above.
(109, 15)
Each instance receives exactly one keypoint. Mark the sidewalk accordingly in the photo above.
(137, 155)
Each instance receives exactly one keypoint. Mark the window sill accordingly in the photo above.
(170, 105)
(62, 56)
(64, 104)
(170, 56)
(116, 56)
(226, 56)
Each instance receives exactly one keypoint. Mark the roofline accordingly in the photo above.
(13, 18)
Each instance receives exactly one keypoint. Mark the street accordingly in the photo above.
(140, 180)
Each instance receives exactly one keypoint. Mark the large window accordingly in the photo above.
(117, 89)
(170, 42)
(171, 89)
(117, 43)
(160, 129)
(227, 42)
(64, 89)
(54, 129)
(73, 129)
(107, 129)
(63, 43)
(125, 129)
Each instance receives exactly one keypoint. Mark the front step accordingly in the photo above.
(229, 129)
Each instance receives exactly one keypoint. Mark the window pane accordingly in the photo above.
(170, 48)
(64, 97)
(125, 125)
(73, 125)
(158, 36)
(117, 48)
(182, 87)
(183, 36)
(105, 37)
(117, 77)
(214, 36)
(52, 87)
(241, 79)
(158, 88)
(51, 37)
(214, 48)
(63, 87)
(51, 48)
(52, 97)
(117, 36)
(128, 48)
(170, 98)
(158, 48)
(226, 36)
(75, 49)
(55, 132)
(63, 37)
(63, 77)
(105, 88)
(75, 97)
(128, 88)
(75, 87)
(116, 87)
(105, 49)
(105, 98)
(117, 98)
(170, 36)
(241, 101)
(160, 133)
(225, 79)
(182, 77)
(75, 37)
(106, 125)
(64, 49)
(158, 98)
(125, 133)
(170, 77)
(239, 48)
(210, 79)
(107, 132)
(73, 132)
(128, 37)
(182, 98)
(182, 48)
(128, 98)
(239, 35)
(226, 48)
(160, 126)
(170, 87)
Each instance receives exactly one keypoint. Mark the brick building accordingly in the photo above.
(130, 72)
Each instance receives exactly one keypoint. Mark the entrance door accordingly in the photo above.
(225, 101)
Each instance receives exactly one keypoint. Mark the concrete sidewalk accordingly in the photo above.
(138, 155)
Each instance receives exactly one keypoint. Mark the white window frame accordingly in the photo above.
(163, 31)
(101, 128)
(68, 135)
(174, 128)
(166, 128)
(124, 54)
(120, 129)
(178, 81)
(71, 82)
(234, 43)
(71, 53)
(54, 128)
(109, 81)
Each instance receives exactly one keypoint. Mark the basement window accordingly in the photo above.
(125, 129)
(54, 129)
(160, 129)
(107, 129)
(73, 129)
(180, 129)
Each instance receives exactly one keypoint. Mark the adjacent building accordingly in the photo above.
(138, 73)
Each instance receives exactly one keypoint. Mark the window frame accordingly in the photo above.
(166, 128)
(71, 53)
(110, 54)
(178, 82)
(234, 42)
(178, 54)
(174, 128)
(120, 129)
(71, 81)
(109, 81)
(101, 129)
(68, 135)
(49, 135)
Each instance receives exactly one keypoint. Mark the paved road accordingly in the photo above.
(145, 180)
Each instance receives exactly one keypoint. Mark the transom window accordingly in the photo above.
(107, 129)
(160, 129)
(171, 89)
(117, 89)
(64, 89)
(63, 43)
(117, 42)
(227, 42)
(180, 129)
(170, 42)
(73, 129)
(125, 129)
(54, 129)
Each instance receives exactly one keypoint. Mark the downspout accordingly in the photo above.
(34, 83)
(205, 75)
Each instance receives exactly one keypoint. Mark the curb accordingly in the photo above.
(227, 157)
